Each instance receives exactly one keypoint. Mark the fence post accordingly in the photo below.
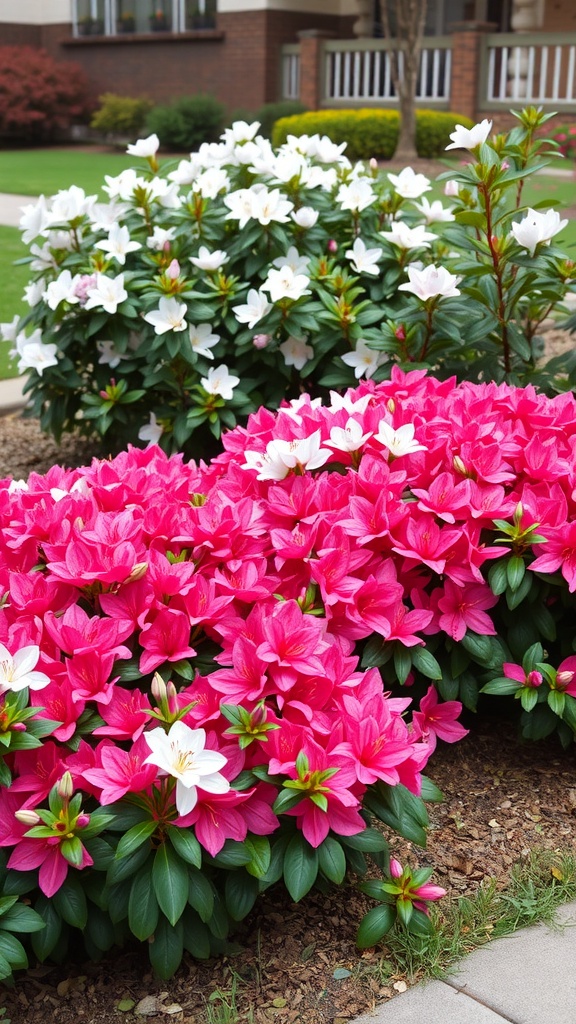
(466, 65)
(311, 64)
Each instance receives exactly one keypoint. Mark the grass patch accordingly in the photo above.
(537, 887)
(45, 171)
(14, 280)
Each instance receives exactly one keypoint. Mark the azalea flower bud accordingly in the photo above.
(373, 164)
(391, 405)
(171, 691)
(332, 245)
(459, 466)
(138, 571)
(27, 817)
(82, 820)
(451, 188)
(166, 246)
(65, 786)
(261, 340)
(563, 679)
(400, 333)
(18, 727)
(395, 868)
(173, 270)
(534, 678)
(158, 688)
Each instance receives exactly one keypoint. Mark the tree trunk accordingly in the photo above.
(410, 16)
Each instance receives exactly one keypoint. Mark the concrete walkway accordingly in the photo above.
(526, 978)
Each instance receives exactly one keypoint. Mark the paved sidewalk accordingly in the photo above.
(11, 397)
(11, 208)
(527, 978)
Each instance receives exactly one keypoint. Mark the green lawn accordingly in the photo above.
(33, 172)
(14, 280)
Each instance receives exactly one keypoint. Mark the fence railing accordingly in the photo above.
(529, 68)
(360, 71)
(290, 65)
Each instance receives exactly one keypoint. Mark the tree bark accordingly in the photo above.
(410, 20)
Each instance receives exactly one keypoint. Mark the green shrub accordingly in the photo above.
(187, 122)
(372, 133)
(272, 112)
(121, 115)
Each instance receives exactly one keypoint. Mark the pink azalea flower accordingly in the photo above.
(439, 719)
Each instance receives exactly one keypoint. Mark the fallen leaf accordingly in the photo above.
(340, 973)
(558, 874)
(126, 1004)
(400, 986)
(279, 1002)
(149, 1006)
(494, 824)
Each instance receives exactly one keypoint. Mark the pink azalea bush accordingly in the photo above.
(185, 720)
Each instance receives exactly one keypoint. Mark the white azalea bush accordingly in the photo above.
(199, 291)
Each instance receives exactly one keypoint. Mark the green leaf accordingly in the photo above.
(170, 881)
(167, 948)
(420, 924)
(400, 809)
(232, 855)
(43, 942)
(240, 893)
(569, 714)
(430, 792)
(501, 686)
(528, 697)
(22, 919)
(374, 926)
(300, 867)
(129, 865)
(498, 577)
(70, 902)
(12, 949)
(426, 663)
(332, 860)
(368, 841)
(259, 847)
(99, 929)
(200, 894)
(515, 570)
(402, 662)
(186, 845)
(143, 910)
(556, 701)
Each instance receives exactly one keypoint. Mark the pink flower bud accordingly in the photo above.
(504, 165)
(18, 727)
(332, 245)
(158, 687)
(400, 333)
(395, 868)
(173, 270)
(82, 820)
(261, 340)
(166, 246)
(563, 679)
(534, 678)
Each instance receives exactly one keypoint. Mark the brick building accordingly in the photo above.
(479, 56)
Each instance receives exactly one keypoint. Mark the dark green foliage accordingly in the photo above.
(121, 115)
(187, 122)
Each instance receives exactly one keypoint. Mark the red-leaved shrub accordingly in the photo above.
(39, 97)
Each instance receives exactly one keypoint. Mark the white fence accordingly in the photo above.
(291, 72)
(360, 71)
(534, 72)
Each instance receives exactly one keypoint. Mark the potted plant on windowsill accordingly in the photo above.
(159, 22)
(89, 26)
(126, 22)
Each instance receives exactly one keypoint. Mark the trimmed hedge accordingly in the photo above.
(187, 122)
(372, 133)
(121, 115)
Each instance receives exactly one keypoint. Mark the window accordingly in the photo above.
(116, 17)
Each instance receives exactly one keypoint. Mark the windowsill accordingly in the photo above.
(121, 38)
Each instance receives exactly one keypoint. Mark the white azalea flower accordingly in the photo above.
(71, 204)
(144, 147)
(108, 292)
(400, 441)
(17, 670)
(469, 138)
(181, 754)
(104, 216)
(152, 431)
(35, 355)
(365, 361)
(168, 317)
(220, 382)
(408, 184)
(34, 220)
(240, 131)
(358, 405)
(241, 206)
(363, 260)
(211, 182)
(285, 284)
(305, 217)
(122, 185)
(202, 339)
(282, 456)
(160, 238)
(271, 207)
(61, 290)
(537, 228)
(356, 196)
(9, 331)
(297, 405)
(256, 307)
(408, 238)
(109, 354)
(118, 243)
(349, 438)
(296, 352)
(292, 259)
(430, 282)
(210, 261)
(434, 212)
